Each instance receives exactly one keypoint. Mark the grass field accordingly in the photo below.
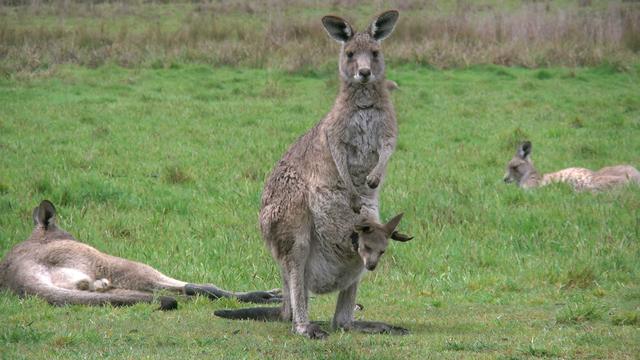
(166, 166)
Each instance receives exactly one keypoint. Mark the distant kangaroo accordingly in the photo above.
(53, 265)
(311, 200)
(521, 171)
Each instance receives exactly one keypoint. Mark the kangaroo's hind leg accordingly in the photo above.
(343, 318)
(294, 264)
(126, 274)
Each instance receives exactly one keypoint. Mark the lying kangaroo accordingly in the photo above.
(520, 170)
(53, 265)
(310, 201)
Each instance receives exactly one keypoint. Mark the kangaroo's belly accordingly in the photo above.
(329, 275)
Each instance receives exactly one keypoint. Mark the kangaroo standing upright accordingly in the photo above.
(320, 205)
(52, 264)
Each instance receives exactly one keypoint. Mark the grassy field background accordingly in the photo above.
(152, 127)
(167, 166)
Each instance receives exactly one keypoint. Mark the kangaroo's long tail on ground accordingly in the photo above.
(258, 313)
(117, 297)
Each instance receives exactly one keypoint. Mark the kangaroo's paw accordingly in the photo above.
(373, 327)
(373, 180)
(84, 285)
(356, 203)
(312, 331)
(261, 297)
(102, 285)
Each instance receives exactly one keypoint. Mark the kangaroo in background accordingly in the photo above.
(521, 171)
(53, 265)
(311, 200)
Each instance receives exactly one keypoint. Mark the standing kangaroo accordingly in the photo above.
(310, 202)
(521, 171)
(53, 265)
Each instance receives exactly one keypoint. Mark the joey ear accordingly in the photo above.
(338, 28)
(44, 214)
(383, 25)
(390, 227)
(400, 237)
(524, 149)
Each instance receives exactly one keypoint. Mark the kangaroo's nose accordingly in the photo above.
(365, 72)
(371, 267)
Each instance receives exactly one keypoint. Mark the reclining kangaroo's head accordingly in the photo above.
(520, 166)
(44, 218)
(361, 60)
(371, 239)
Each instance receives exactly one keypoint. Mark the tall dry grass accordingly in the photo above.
(286, 34)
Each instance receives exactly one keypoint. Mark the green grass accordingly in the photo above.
(166, 166)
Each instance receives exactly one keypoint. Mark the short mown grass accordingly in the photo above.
(166, 166)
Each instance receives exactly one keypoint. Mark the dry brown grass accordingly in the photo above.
(286, 34)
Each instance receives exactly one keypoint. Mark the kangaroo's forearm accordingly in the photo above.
(341, 164)
(384, 154)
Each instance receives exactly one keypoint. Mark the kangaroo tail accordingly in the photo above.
(258, 313)
(116, 297)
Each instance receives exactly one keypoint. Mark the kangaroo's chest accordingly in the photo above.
(362, 140)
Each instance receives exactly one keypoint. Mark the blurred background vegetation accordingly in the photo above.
(287, 35)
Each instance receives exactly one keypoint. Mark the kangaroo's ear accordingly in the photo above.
(524, 149)
(44, 215)
(383, 25)
(338, 28)
(400, 237)
(390, 227)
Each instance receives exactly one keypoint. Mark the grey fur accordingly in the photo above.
(52, 264)
(311, 201)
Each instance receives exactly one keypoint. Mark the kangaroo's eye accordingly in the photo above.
(375, 54)
(350, 54)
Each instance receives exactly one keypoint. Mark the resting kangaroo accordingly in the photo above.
(310, 201)
(52, 264)
(521, 171)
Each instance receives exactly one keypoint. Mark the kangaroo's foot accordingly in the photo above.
(312, 331)
(211, 292)
(261, 297)
(374, 327)
(214, 293)
(102, 285)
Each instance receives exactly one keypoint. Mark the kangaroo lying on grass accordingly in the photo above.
(310, 202)
(521, 171)
(52, 264)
